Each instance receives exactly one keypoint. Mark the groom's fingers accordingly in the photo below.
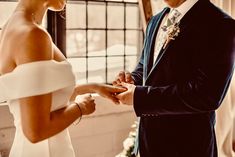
(121, 76)
(117, 81)
(114, 83)
(128, 77)
(113, 99)
(121, 97)
(125, 85)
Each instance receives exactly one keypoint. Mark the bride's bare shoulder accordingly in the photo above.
(36, 37)
(36, 45)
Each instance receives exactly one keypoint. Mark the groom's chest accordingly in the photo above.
(177, 59)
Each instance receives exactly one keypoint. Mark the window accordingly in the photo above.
(103, 37)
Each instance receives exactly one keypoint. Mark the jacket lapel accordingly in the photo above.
(189, 19)
(151, 39)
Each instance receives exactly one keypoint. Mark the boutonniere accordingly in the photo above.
(172, 31)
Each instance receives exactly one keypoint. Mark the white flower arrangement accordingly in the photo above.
(129, 142)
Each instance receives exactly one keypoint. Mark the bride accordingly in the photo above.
(39, 86)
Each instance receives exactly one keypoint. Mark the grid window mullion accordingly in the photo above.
(107, 45)
(124, 58)
(87, 42)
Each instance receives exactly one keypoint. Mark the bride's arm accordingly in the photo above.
(38, 122)
(103, 90)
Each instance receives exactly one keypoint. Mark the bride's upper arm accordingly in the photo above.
(35, 110)
(35, 115)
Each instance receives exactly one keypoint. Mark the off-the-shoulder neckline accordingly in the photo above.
(35, 62)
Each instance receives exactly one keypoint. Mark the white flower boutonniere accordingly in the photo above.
(172, 31)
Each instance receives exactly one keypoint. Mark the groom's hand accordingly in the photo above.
(110, 92)
(123, 76)
(127, 97)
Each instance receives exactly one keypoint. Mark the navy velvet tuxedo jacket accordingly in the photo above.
(176, 97)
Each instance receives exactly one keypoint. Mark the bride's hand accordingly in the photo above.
(86, 103)
(103, 90)
(110, 92)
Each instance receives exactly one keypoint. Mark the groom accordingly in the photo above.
(181, 79)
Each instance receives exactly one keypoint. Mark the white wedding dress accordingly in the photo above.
(32, 79)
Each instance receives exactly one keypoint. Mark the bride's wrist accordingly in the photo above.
(95, 87)
(80, 113)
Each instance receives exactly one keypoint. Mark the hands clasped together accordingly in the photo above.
(122, 91)
(125, 80)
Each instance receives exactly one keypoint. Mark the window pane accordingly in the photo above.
(131, 62)
(115, 43)
(132, 16)
(115, 15)
(115, 64)
(96, 69)
(132, 1)
(76, 43)
(106, 38)
(76, 15)
(132, 42)
(79, 68)
(96, 15)
(96, 43)
(114, 0)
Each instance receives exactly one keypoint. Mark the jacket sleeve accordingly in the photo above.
(204, 91)
(138, 73)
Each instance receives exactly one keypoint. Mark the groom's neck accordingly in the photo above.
(174, 3)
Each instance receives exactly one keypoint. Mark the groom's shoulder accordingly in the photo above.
(213, 15)
(217, 13)
(221, 21)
